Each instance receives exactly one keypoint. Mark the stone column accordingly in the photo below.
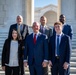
(28, 12)
(2, 12)
(59, 9)
(67, 7)
(10, 9)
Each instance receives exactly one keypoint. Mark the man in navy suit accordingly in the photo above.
(67, 29)
(36, 48)
(59, 51)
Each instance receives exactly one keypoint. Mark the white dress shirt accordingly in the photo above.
(43, 28)
(36, 35)
(60, 35)
(21, 27)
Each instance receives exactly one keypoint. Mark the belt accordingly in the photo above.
(57, 57)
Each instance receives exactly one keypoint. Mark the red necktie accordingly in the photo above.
(34, 39)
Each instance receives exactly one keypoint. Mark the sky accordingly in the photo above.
(41, 3)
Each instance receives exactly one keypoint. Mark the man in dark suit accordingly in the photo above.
(21, 28)
(36, 48)
(22, 34)
(59, 51)
(67, 29)
(44, 29)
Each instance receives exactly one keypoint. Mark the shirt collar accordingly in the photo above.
(60, 34)
(19, 25)
(36, 33)
(64, 24)
(43, 26)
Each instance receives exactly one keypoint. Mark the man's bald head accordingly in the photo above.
(36, 27)
(43, 20)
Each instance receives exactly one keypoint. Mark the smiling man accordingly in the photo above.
(36, 48)
(59, 51)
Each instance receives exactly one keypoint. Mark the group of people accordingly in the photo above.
(38, 50)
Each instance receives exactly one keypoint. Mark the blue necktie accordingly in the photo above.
(57, 45)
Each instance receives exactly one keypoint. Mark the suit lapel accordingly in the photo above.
(32, 39)
(54, 42)
(46, 31)
(38, 38)
(61, 39)
(16, 26)
(40, 29)
(23, 29)
(64, 29)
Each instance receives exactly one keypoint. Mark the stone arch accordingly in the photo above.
(51, 17)
(49, 9)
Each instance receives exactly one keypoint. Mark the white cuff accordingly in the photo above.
(25, 60)
(46, 60)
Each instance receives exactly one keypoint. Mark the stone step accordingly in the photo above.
(0, 53)
(73, 50)
(1, 45)
(74, 40)
(0, 58)
(27, 73)
(73, 54)
(73, 59)
(1, 42)
(73, 47)
(73, 43)
(3, 34)
(73, 64)
(2, 39)
(73, 36)
(73, 70)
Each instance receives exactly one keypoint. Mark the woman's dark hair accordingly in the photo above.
(12, 32)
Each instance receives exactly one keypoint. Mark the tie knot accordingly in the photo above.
(34, 34)
(58, 35)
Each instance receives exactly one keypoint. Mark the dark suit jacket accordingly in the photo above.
(6, 52)
(24, 32)
(38, 51)
(67, 29)
(64, 49)
(48, 31)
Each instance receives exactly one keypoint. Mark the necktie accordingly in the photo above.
(19, 32)
(34, 39)
(57, 45)
(42, 29)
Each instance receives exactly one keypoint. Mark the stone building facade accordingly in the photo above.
(50, 11)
